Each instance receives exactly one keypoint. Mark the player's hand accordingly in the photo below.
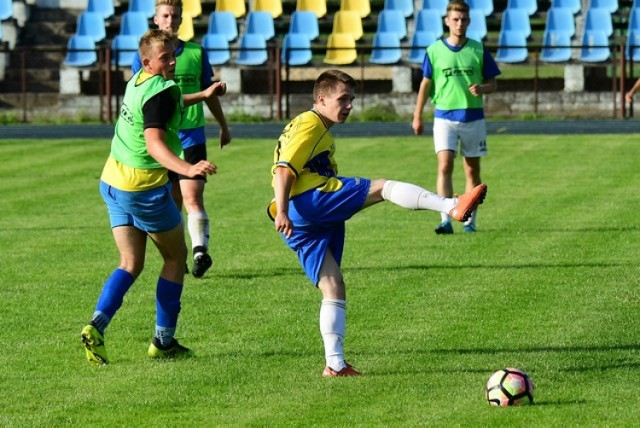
(225, 136)
(217, 89)
(202, 168)
(475, 90)
(418, 126)
(283, 224)
(628, 96)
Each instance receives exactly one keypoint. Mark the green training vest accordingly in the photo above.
(188, 77)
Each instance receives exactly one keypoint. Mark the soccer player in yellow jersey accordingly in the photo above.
(312, 203)
(136, 189)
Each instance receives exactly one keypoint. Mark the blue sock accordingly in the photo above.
(111, 297)
(167, 309)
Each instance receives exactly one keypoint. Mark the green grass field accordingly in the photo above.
(549, 284)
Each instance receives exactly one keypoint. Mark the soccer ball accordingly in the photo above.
(509, 387)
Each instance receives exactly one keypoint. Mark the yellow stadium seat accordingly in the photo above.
(363, 7)
(192, 7)
(341, 49)
(186, 32)
(347, 21)
(237, 7)
(272, 6)
(319, 7)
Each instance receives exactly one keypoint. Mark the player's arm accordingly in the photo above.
(216, 89)
(283, 180)
(216, 109)
(487, 87)
(423, 95)
(629, 95)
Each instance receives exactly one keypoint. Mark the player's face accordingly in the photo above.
(336, 106)
(457, 23)
(162, 62)
(168, 17)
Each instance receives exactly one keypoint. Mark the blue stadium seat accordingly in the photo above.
(386, 48)
(134, 24)
(223, 23)
(599, 19)
(296, 49)
(478, 25)
(575, 6)
(419, 44)
(632, 48)
(610, 5)
(124, 49)
(439, 5)
(486, 6)
(148, 7)
(512, 47)
(560, 19)
(6, 9)
(404, 6)
(304, 22)
(429, 20)
(530, 6)
(392, 21)
(260, 22)
(595, 46)
(104, 7)
(81, 52)
(634, 20)
(556, 46)
(253, 50)
(217, 48)
(516, 20)
(91, 24)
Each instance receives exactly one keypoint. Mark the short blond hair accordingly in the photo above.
(154, 39)
(176, 3)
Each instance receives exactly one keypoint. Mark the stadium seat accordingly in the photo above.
(595, 46)
(439, 5)
(610, 5)
(512, 47)
(404, 6)
(556, 46)
(223, 23)
(91, 24)
(81, 52)
(186, 31)
(529, 6)
(319, 7)
(253, 50)
(632, 47)
(124, 49)
(237, 7)
(134, 24)
(217, 48)
(296, 49)
(478, 25)
(599, 19)
(363, 7)
(274, 7)
(192, 7)
(386, 48)
(145, 6)
(6, 10)
(104, 7)
(341, 49)
(516, 20)
(634, 20)
(346, 21)
(429, 20)
(304, 22)
(560, 19)
(575, 6)
(486, 6)
(260, 22)
(420, 41)
(392, 20)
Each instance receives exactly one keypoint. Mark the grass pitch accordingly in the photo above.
(549, 284)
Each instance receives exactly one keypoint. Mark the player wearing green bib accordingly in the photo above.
(456, 71)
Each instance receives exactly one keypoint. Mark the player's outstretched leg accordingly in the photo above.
(468, 202)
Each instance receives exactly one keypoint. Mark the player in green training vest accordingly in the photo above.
(193, 73)
(456, 72)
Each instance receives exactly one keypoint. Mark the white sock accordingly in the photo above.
(332, 327)
(472, 219)
(198, 225)
(445, 217)
(414, 197)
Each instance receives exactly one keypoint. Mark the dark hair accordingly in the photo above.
(328, 80)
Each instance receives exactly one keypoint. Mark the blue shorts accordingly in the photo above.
(151, 211)
(318, 222)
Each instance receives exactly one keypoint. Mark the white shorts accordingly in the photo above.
(472, 137)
